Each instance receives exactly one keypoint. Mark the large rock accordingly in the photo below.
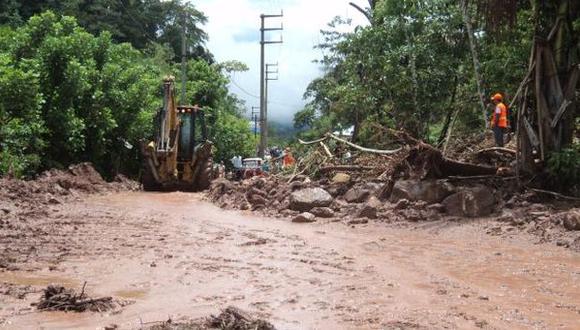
(295, 185)
(368, 211)
(471, 202)
(256, 196)
(430, 191)
(257, 200)
(322, 212)
(304, 218)
(357, 195)
(341, 178)
(306, 199)
(571, 219)
(401, 204)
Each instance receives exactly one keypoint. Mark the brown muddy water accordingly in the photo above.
(176, 256)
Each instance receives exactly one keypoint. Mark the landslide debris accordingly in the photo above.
(31, 217)
(414, 185)
(56, 186)
(232, 318)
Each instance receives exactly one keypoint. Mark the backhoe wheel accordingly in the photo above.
(205, 176)
(148, 180)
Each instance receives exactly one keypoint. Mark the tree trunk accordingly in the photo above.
(552, 91)
(450, 113)
(420, 123)
(475, 58)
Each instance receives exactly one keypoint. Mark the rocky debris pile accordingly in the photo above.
(416, 182)
(59, 298)
(356, 201)
(56, 186)
(232, 318)
(551, 223)
(350, 201)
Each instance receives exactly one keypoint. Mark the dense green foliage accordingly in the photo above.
(138, 22)
(410, 69)
(67, 96)
(564, 168)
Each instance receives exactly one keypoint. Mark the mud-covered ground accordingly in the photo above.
(174, 255)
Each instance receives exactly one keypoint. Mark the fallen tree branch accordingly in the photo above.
(330, 155)
(375, 151)
(555, 194)
(312, 142)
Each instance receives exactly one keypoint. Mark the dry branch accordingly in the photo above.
(312, 142)
(375, 151)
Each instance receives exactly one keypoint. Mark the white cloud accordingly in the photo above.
(230, 25)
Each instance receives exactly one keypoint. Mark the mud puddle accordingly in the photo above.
(176, 256)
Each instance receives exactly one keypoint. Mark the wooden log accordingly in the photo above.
(450, 167)
(555, 194)
(497, 149)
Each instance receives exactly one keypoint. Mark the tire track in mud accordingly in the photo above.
(173, 254)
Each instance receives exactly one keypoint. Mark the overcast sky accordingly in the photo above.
(233, 29)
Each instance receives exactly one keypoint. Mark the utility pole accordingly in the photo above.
(183, 58)
(263, 114)
(255, 113)
(268, 78)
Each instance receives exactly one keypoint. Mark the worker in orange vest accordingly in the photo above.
(499, 119)
(288, 159)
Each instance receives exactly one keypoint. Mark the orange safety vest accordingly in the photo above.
(501, 111)
(288, 160)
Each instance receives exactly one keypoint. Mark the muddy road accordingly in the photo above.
(174, 255)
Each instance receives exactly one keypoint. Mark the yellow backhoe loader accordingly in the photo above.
(180, 156)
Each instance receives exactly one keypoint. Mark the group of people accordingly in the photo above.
(274, 159)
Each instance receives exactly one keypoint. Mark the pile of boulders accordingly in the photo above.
(354, 201)
(344, 199)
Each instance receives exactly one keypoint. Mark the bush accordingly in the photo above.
(564, 168)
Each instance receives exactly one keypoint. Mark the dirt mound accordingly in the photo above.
(59, 298)
(54, 186)
(232, 318)
(25, 207)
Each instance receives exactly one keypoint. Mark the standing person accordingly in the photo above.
(221, 170)
(499, 119)
(288, 159)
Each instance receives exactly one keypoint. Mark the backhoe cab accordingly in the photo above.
(180, 157)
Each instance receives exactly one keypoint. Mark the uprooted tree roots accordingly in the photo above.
(59, 298)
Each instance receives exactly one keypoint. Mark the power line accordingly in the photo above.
(287, 105)
(243, 90)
